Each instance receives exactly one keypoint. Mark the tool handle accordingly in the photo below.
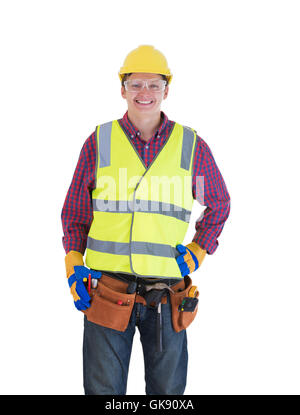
(89, 283)
(193, 292)
(159, 329)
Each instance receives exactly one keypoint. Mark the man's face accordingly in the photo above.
(145, 101)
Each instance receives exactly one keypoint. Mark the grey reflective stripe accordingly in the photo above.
(118, 248)
(120, 206)
(122, 248)
(147, 248)
(145, 206)
(105, 144)
(187, 147)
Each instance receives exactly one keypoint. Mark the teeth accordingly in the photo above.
(144, 102)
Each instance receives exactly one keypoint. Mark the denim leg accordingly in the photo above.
(166, 371)
(106, 356)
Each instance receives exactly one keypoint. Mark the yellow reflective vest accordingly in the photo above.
(140, 213)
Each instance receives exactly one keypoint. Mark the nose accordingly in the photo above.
(144, 91)
(145, 86)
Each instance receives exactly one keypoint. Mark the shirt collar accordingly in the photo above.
(132, 131)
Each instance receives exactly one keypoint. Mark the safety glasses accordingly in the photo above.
(136, 85)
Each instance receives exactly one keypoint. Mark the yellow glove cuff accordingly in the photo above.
(73, 258)
(197, 251)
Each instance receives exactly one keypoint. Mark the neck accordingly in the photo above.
(146, 124)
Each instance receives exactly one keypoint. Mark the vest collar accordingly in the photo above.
(157, 154)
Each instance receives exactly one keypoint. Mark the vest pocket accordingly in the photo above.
(182, 319)
(110, 308)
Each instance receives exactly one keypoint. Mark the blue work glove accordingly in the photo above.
(190, 258)
(78, 290)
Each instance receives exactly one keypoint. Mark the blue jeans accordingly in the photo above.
(106, 355)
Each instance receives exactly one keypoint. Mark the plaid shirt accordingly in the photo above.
(77, 212)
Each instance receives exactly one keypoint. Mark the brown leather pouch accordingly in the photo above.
(105, 310)
(181, 319)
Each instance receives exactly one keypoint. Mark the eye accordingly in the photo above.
(136, 84)
(154, 86)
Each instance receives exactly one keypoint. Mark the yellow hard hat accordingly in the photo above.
(146, 59)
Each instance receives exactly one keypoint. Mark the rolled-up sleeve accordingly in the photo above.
(77, 211)
(209, 189)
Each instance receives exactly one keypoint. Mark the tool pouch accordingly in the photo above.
(181, 319)
(105, 310)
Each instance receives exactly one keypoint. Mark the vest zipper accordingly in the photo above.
(134, 192)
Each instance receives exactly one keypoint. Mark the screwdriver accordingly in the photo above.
(91, 283)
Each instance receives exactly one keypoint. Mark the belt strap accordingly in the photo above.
(133, 284)
(153, 293)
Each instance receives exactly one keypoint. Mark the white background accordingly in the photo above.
(236, 81)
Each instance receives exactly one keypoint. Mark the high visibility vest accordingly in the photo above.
(140, 213)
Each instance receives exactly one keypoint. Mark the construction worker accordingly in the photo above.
(128, 208)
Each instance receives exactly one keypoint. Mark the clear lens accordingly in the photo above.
(136, 85)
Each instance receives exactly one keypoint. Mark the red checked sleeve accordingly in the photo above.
(211, 192)
(77, 212)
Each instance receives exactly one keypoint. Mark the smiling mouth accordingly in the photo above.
(143, 102)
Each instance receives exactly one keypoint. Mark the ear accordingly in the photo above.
(166, 92)
(123, 92)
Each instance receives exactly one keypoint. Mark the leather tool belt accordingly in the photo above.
(113, 300)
